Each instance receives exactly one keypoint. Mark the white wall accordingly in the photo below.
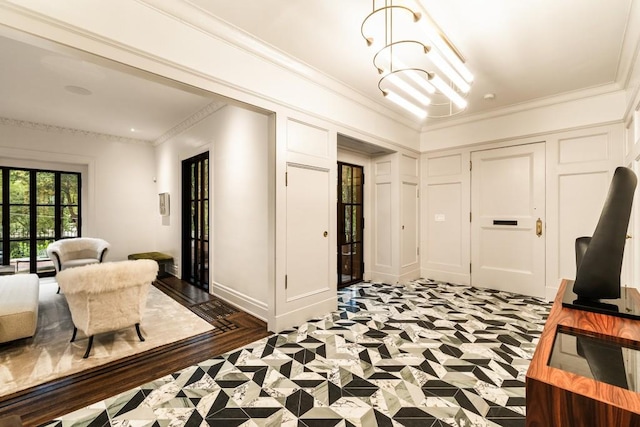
(238, 143)
(120, 204)
(241, 209)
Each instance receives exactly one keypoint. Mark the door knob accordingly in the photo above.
(325, 234)
(539, 227)
(629, 236)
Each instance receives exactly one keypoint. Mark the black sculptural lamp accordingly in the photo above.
(599, 258)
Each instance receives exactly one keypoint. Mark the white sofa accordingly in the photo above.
(108, 296)
(19, 294)
(76, 252)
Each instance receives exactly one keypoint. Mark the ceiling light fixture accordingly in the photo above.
(414, 56)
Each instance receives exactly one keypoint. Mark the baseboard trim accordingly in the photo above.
(244, 302)
(446, 276)
(297, 317)
(391, 279)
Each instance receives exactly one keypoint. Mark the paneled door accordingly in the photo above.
(350, 224)
(195, 220)
(309, 247)
(507, 219)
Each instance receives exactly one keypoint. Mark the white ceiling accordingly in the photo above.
(519, 50)
(37, 85)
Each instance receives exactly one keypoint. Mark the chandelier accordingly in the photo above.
(420, 69)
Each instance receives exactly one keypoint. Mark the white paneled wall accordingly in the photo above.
(579, 168)
(631, 265)
(383, 217)
(306, 263)
(580, 165)
(396, 218)
(409, 224)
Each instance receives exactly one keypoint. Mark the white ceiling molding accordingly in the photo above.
(532, 105)
(69, 131)
(210, 24)
(197, 117)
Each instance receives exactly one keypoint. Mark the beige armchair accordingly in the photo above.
(108, 296)
(76, 252)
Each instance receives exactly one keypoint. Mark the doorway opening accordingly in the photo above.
(350, 224)
(195, 220)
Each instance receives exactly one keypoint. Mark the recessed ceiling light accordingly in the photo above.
(78, 90)
(132, 129)
(489, 96)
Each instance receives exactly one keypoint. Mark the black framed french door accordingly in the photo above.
(350, 224)
(195, 220)
(37, 207)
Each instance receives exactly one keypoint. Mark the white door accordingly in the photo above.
(508, 214)
(308, 241)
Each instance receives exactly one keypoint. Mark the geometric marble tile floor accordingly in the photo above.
(422, 354)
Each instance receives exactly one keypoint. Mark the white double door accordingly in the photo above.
(508, 219)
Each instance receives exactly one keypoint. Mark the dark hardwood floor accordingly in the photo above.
(42, 403)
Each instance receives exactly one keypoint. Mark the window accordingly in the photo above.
(36, 207)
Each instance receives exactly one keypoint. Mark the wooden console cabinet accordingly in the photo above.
(556, 397)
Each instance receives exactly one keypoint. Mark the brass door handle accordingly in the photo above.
(325, 234)
(629, 236)
(539, 227)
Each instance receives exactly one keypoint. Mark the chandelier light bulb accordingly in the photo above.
(410, 107)
(451, 74)
(447, 91)
(405, 87)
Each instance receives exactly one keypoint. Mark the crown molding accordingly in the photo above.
(204, 21)
(69, 131)
(195, 118)
(527, 106)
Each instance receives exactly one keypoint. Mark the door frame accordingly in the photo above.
(541, 213)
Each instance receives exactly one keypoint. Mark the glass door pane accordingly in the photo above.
(195, 235)
(350, 224)
(20, 219)
(32, 215)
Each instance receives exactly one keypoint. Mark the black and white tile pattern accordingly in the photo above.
(423, 354)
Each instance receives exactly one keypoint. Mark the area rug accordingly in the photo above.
(49, 354)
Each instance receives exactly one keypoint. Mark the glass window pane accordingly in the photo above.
(43, 263)
(45, 188)
(205, 185)
(1, 186)
(205, 219)
(19, 219)
(69, 187)
(45, 222)
(357, 185)
(346, 184)
(19, 187)
(357, 220)
(356, 266)
(347, 223)
(20, 254)
(69, 221)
